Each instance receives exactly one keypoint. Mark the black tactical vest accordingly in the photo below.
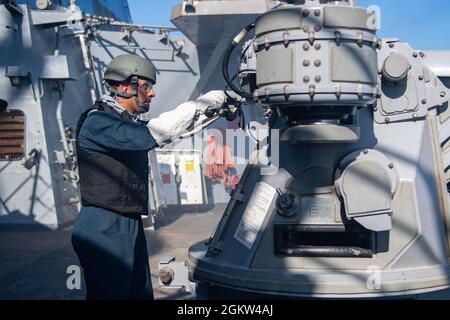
(115, 181)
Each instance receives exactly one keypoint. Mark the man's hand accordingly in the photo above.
(211, 102)
(169, 126)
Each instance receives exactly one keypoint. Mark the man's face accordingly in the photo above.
(145, 93)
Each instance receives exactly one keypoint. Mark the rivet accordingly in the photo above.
(375, 109)
(306, 29)
(286, 92)
(317, 63)
(286, 38)
(415, 54)
(424, 101)
(306, 63)
(318, 46)
(317, 12)
(360, 90)
(415, 115)
(338, 37)
(312, 91)
(391, 166)
(421, 78)
(306, 46)
(305, 13)
(387, 120)
(422, 54)
(311, 37)
(318, 79)
(306, 79)
(365, 151)
(443, 94)
(391, 45)
(266, 43)
(317, 28)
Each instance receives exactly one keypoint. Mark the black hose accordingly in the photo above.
(226, 62)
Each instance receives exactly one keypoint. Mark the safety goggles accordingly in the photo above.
(146, 86)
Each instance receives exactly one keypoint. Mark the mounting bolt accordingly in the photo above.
(422, 54)
(391, 45)
(421, 77)
(424, 101)
(443, 94)
(415, 54)
(365, 151)
(415, 115)
(391, 166)
(387, 120)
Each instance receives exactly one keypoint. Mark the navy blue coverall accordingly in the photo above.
(112, 247)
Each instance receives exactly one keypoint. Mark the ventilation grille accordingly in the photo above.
(12, 135)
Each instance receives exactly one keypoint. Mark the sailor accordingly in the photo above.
(112, 147)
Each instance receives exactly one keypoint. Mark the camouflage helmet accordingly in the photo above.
(125, 66)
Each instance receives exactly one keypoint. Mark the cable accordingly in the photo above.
(226, 61)
(234, 78)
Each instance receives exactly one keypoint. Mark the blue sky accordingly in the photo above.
(424, 24)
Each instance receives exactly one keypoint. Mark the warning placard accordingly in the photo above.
(254, 214)
(190, 166)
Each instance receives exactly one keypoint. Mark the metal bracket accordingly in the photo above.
(238, 196)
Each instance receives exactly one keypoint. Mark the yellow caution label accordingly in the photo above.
(190, 166)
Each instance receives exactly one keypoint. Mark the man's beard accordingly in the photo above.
(143, 108)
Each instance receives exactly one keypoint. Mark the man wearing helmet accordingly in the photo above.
(112, 147)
